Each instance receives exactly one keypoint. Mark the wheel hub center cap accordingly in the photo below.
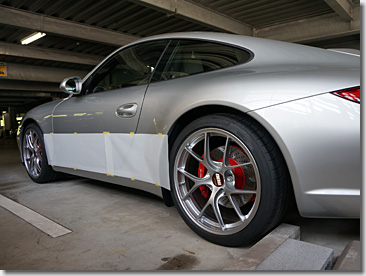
(218, 180)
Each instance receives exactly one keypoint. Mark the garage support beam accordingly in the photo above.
(27, 51)
(25, 95)
(320, 27)
(38, 73)
(25, 87)
(342, 8)
(32, 21)
(199, 14)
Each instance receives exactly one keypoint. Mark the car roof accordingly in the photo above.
(267, 52)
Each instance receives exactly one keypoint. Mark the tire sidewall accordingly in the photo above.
(257, 149)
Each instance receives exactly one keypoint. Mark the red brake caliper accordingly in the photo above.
(238, 172)
(40, 149)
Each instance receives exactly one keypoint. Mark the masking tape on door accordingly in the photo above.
(140, 156)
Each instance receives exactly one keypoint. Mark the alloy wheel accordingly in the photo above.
(32, 153)
(217, 181)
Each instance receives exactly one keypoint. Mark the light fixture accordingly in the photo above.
(32, 37)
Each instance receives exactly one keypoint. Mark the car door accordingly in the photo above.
(109, 104)
(112, 95)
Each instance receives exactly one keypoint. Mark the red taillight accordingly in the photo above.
(352, 94)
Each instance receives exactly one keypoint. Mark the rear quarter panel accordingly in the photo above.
(319, 137)
(244, 88)
(293, 103)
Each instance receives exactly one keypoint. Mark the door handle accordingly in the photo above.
(126, 110)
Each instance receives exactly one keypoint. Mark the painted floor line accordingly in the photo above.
(42, 223)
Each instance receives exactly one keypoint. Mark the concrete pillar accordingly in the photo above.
(13, 120)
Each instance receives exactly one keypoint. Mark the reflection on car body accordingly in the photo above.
(226, 127)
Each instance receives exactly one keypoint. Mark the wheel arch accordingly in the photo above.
(196, 113)
(29, 121)
(201, 111)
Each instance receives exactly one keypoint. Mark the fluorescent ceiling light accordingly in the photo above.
(31, 38)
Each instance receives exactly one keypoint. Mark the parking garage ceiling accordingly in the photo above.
(81, 33)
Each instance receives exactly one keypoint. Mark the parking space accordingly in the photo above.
(221, 94)
(113, 228)
(117, 228)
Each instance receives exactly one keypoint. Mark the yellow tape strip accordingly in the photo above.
(132, 133)
(105, 132)
(156, 184)
(160, 134)
(133, 179)
(75, 133)
(74, 169)
(51, 133)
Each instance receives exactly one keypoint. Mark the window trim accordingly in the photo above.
(174, 42)
(90, 76)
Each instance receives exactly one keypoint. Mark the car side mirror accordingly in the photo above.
(71, 85)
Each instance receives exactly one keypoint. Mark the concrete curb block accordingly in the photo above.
(293, 255)
(255, 255)
(350, 259)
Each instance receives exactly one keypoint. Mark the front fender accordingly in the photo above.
(42, 116)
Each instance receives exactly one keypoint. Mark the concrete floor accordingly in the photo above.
(117, 228)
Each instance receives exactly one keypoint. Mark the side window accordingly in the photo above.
(129, 67)
(191, 57)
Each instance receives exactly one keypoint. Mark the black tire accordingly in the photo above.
(35, 156)
(261, 210)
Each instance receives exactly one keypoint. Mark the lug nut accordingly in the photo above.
(229, 178)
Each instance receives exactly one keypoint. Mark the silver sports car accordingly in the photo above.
(227, 128)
